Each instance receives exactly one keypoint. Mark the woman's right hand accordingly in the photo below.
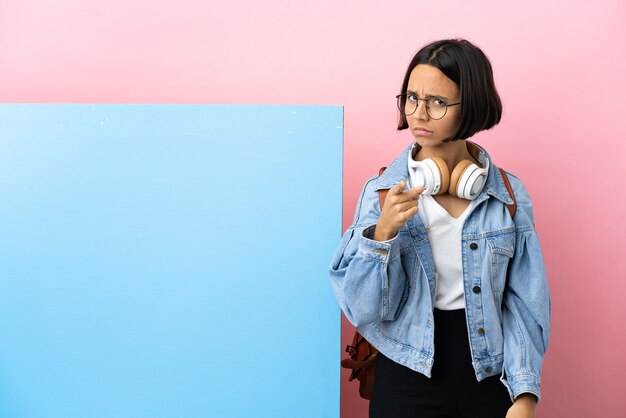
(399, 206)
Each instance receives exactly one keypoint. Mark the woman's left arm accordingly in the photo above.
(526, 311)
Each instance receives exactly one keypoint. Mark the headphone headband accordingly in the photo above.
(479, 154)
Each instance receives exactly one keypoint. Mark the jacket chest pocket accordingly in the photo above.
(501, 251)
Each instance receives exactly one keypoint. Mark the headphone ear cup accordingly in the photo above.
(456, 175)
(444, 174)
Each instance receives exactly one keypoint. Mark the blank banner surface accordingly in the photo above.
(169, 261)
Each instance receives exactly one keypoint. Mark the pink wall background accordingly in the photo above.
(559, 67)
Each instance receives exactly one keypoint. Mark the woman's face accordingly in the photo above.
(427, 81)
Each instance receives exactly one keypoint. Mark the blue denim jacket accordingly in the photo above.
(387, 289)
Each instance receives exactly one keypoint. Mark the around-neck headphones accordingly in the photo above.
(466, 181)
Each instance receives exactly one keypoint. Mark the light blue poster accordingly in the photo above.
(169, 261)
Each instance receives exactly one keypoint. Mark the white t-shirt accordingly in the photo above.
(444, 232)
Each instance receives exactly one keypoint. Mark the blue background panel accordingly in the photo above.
(169, 260)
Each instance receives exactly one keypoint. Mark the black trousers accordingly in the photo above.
(451, 392)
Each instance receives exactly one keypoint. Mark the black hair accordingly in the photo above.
(469, 68)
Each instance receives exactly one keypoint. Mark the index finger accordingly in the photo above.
(414, 192)
(398, 188)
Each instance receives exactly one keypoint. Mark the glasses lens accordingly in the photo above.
(410, 104)
(436, 108)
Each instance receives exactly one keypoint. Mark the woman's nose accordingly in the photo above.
(420, 112)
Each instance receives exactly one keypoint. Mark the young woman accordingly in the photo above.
(442, 280)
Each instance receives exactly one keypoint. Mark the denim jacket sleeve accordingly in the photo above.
(527, 305)
(366, 275)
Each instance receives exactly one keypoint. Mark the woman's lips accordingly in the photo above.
(421, 131)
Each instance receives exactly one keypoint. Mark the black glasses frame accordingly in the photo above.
(401, 98)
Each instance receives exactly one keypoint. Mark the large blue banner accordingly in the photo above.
(169, 261)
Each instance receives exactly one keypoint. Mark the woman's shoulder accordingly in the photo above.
(368, 208)
(518, 187)
(524, 216)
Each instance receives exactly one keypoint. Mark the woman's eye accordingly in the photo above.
(411, 97)
(438, 102)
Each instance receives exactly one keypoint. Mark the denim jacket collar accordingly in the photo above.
(398, 171)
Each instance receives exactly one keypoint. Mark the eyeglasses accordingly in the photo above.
(435, 107)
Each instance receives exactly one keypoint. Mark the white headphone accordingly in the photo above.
(466, 181)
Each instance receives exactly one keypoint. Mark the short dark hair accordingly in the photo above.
(469, 68)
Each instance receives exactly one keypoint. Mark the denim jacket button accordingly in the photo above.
(381, 251)
(473, 245)
(488, 369)
(481, 331)
(476, 289)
